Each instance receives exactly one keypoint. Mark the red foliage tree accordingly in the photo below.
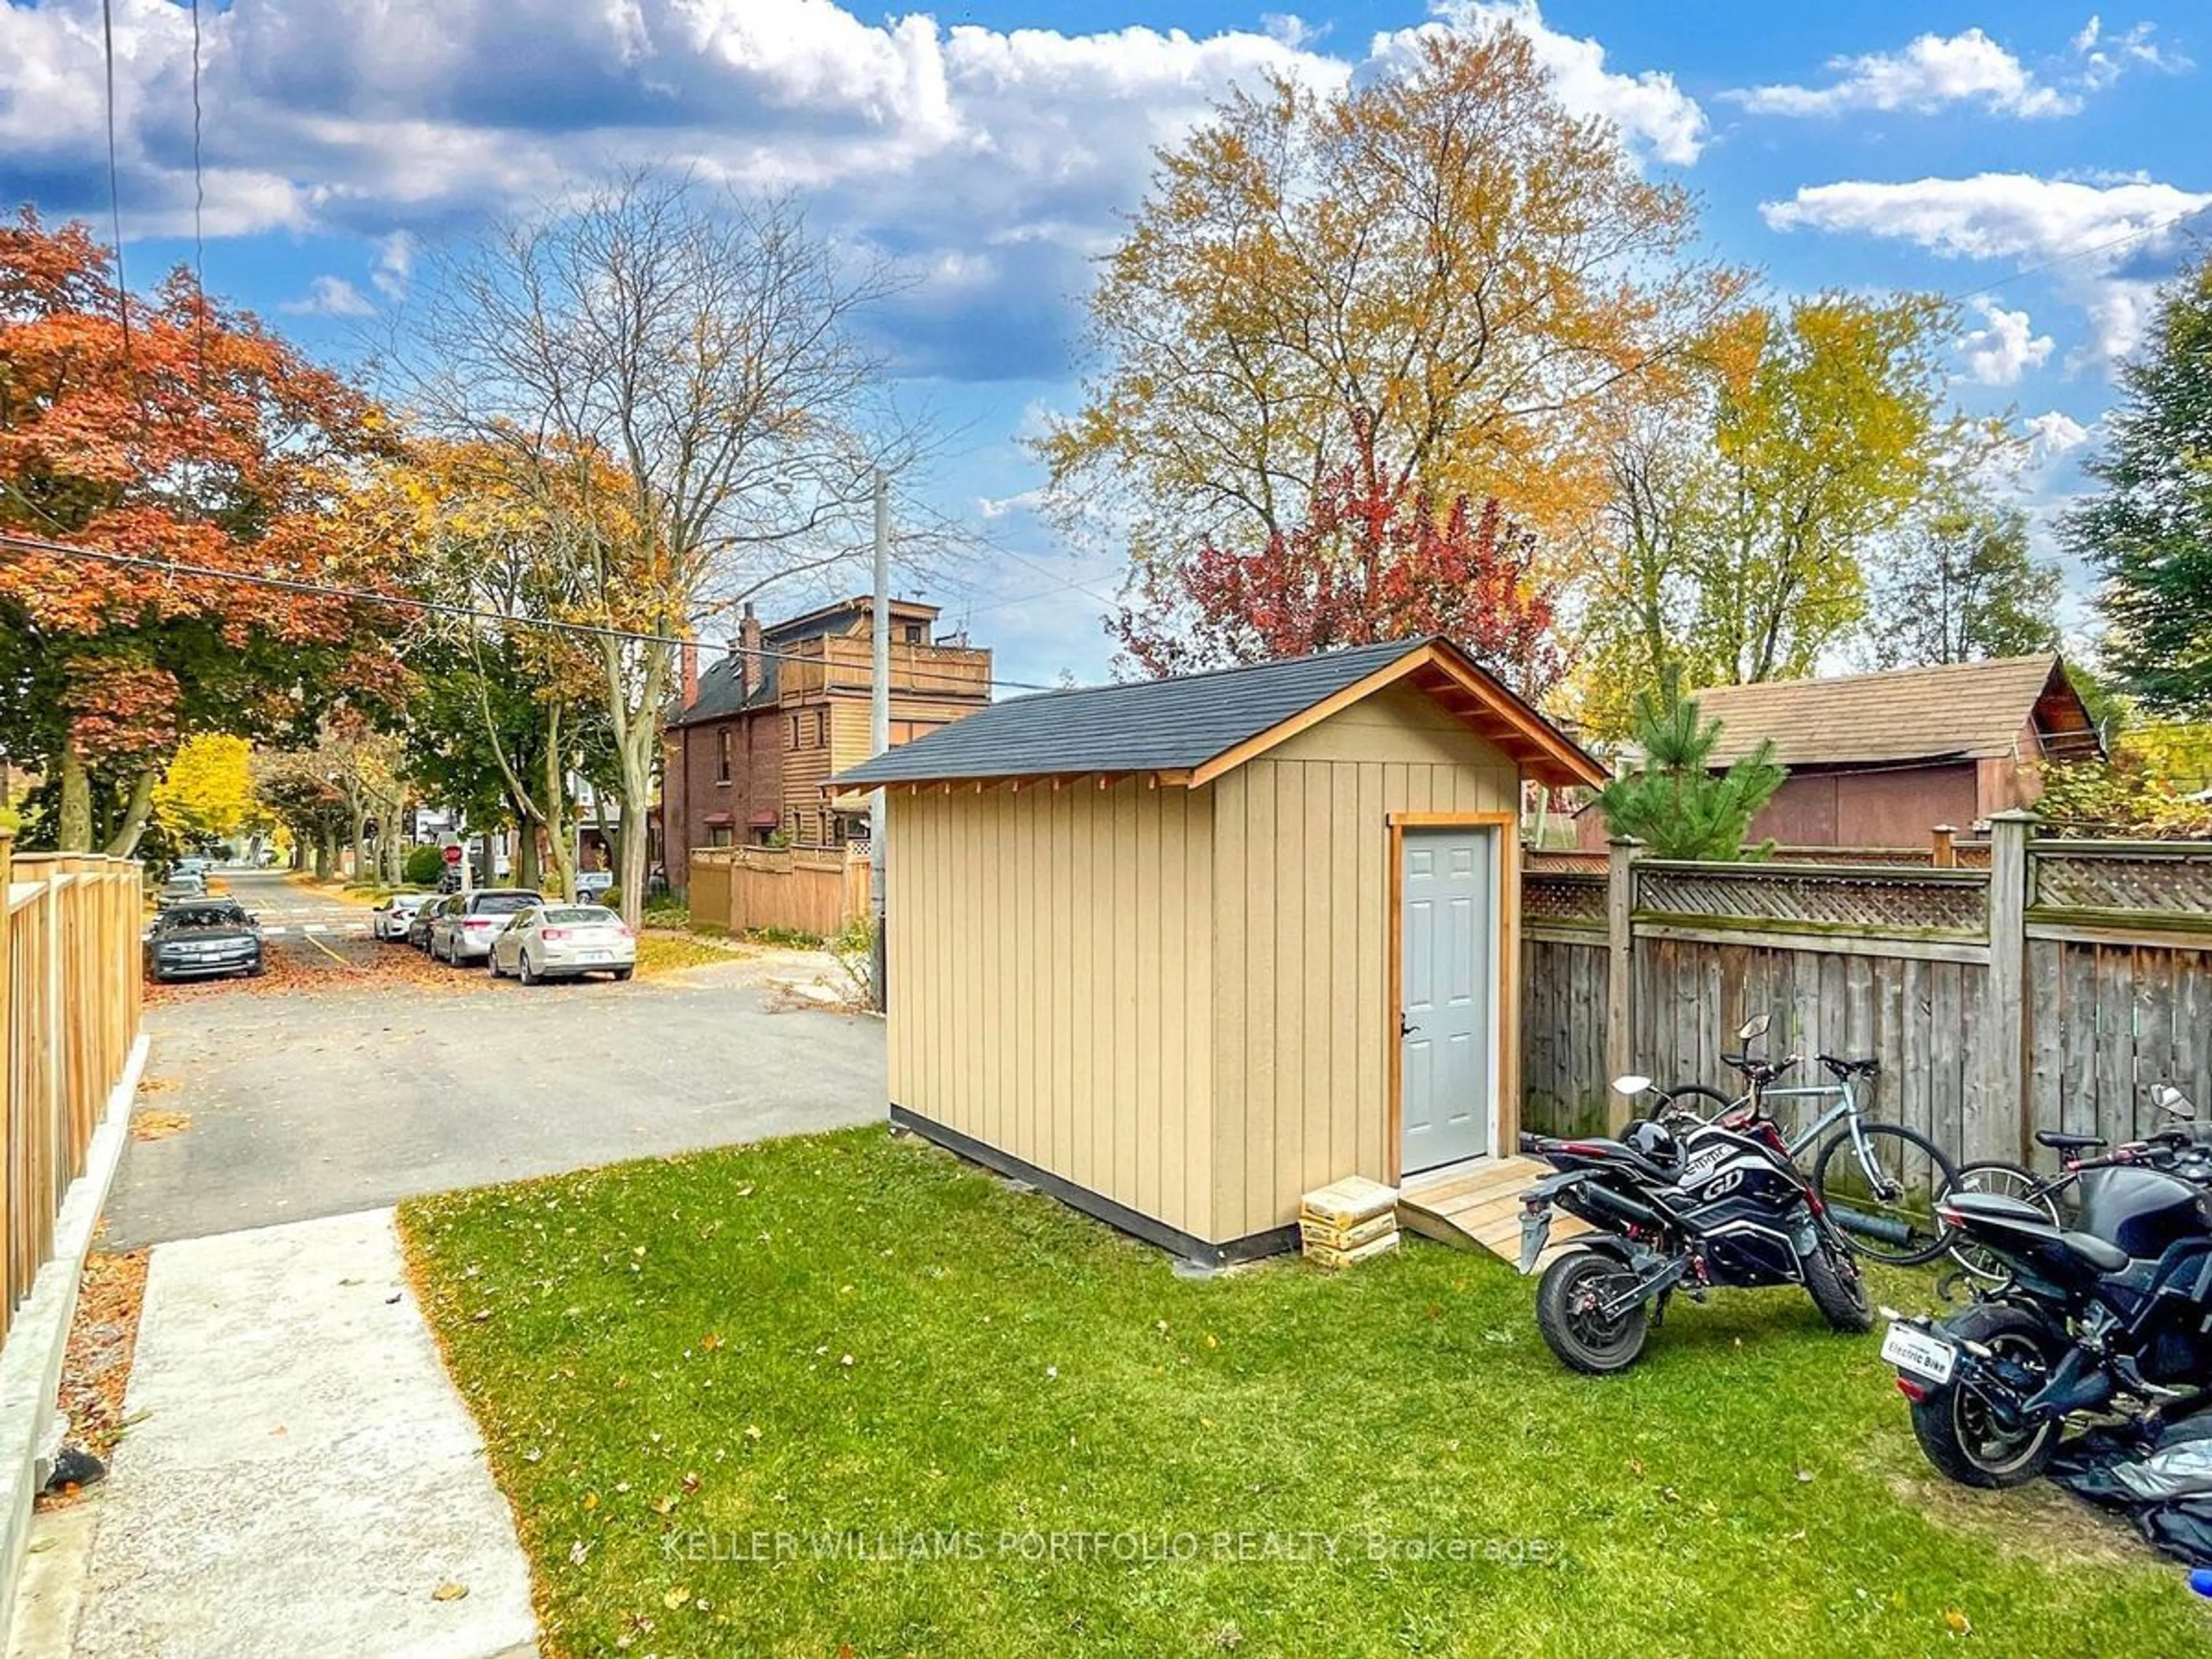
(209, 441)
(1372, 562)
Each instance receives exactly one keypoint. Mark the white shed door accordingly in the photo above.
(1448, 1089)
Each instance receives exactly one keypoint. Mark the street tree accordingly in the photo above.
(208, 441)
(1442, 258)
(2148, 527)
(678, 380)
(206, 793)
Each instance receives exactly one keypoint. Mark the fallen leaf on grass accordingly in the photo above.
(449, 1591)
(1957, 1623)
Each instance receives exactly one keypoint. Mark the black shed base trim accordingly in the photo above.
(1250, 1248)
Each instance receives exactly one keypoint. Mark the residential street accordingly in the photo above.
(356, 1074)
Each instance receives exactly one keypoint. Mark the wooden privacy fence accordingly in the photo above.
(742, 888)
(70, 984)
(2045, 985)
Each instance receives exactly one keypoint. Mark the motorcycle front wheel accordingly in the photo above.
(1576, 1328)
(1839, 1290)
(1958, 1429)
(1880, 1192)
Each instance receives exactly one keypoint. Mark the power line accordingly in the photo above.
(11, 539)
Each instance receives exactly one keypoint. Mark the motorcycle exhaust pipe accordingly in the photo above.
(1870, 1226)
(1619, 1203)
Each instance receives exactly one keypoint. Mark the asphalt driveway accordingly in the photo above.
(322, 1093)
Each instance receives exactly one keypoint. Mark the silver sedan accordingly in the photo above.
(564, 941)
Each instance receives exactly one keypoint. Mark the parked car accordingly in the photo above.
(467, 923)
(181, 890)
(425, 917)
(564, 941)
(390, 919)
(196, 941)
(591, 884)
(193, 865)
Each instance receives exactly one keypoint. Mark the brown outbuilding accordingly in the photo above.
(1181, 951)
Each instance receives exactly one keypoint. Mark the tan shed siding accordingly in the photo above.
(1052, 992)
(1302, 883)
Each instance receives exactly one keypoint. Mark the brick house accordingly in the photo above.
(760, 731)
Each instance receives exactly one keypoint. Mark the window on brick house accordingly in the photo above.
(721, 754)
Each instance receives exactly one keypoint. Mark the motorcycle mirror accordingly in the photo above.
(1628, 1084)
(2171, 1101)
(1754, 1027)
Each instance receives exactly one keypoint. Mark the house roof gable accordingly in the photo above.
(1957, 711)
(1195, 726)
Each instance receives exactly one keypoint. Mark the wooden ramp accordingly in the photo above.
(1476, 1205)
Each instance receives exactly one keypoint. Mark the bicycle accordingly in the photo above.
(1879, 1180)
(2186, 1153)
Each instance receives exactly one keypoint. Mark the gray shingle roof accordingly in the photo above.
(1165, 726)
(722, 692)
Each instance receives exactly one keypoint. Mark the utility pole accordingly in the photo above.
(879, 727)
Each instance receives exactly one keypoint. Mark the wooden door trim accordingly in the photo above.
(1506, 933)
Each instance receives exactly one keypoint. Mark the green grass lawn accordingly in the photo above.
(697, 1376)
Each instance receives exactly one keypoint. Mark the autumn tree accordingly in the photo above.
(1742, 508)
(1365, 565)
(209, 443)
(2148, 527)
(679, 381)
(1441, 258)
(1960, 585)
(206, 793)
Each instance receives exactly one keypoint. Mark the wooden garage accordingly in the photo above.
(1181, 951)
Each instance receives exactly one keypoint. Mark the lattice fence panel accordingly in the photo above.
(2171, 882)
(1875, 900)
(1557, 897)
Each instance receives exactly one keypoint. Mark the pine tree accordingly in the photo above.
(2150, 528)
(1678, 805)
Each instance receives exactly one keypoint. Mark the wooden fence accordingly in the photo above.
(2044, 985)
(69, 984)
(742, 888)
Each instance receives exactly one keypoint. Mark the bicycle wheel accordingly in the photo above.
(1995, 1176)
(1696, 1099)
(1880, 1191)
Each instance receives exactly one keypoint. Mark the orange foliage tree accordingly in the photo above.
(209, 441)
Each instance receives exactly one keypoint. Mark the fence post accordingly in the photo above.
(2001, 1130)
(1942, 849)
(1621, 853)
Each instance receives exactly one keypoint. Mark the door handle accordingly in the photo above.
(1405, 1027)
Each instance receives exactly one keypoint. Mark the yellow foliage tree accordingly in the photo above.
(207, 793)
(1442, 270)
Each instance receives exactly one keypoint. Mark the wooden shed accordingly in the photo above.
(1181, 951)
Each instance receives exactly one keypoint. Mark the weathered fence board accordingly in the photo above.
(2096, 960)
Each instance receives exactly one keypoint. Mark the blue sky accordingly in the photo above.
(990, 147)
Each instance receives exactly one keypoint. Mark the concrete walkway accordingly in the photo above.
(300, 1478)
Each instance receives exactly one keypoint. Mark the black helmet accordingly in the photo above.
(1655, 1142)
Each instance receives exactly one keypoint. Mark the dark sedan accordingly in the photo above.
(198, 941)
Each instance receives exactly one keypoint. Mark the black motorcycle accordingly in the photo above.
(1719, 1204)
(2110, 1313)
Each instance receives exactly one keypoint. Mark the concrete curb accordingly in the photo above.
(30, 1359)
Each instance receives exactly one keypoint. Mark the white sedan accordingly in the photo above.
(562, 941)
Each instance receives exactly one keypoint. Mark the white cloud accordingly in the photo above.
(1932, 71)
(2006, 348)
(1654, 114)
(2098, 234)
(2104, 57)
(2053, 434)
(394, 270)
(330, 296)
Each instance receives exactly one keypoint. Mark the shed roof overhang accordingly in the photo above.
(1437, 669)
